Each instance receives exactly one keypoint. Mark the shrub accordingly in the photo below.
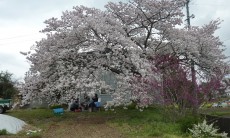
(187, 122)
(207, 105)
(65, 106)
(55, 106)
(203, 130)
(3, 132)
(132, 105)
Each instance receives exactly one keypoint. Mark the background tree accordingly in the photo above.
(7, 85)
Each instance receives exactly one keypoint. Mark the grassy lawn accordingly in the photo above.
(153, 122)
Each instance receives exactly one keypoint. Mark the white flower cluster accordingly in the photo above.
(204, 130)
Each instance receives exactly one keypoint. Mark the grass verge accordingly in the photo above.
(153, 122)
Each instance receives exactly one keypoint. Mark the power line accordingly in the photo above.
(14, 37)
(19, 36)
(16, 42)
(210, 5)
(226, 39)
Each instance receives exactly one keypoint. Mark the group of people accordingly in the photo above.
(87, 104)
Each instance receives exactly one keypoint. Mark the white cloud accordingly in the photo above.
(20, 23)
(207, 10)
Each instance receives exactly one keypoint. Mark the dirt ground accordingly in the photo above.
(82, 128)
(78, 128)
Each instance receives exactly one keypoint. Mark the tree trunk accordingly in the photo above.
(194, 92)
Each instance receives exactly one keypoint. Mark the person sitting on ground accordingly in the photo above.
(75, 105)
(92, 104)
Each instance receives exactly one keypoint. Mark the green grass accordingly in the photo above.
(152, 122)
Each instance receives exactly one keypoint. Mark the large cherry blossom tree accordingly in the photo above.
(122, 39)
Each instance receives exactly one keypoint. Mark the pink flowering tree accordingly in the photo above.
(171, 85)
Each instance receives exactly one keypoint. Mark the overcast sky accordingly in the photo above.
(21, 21)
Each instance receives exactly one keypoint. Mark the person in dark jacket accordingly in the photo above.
(92, 104)
(75, 105)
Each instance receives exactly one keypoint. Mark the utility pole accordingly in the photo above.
(188, 15)
(193, 71)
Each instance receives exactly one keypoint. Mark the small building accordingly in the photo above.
(106, 93)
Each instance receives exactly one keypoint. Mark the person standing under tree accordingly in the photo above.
(92, 104)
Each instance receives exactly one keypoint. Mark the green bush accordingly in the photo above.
(55, 106)
(65, 106)
(187, 122)
(206, 105)
(132, 105)
(3, 132)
